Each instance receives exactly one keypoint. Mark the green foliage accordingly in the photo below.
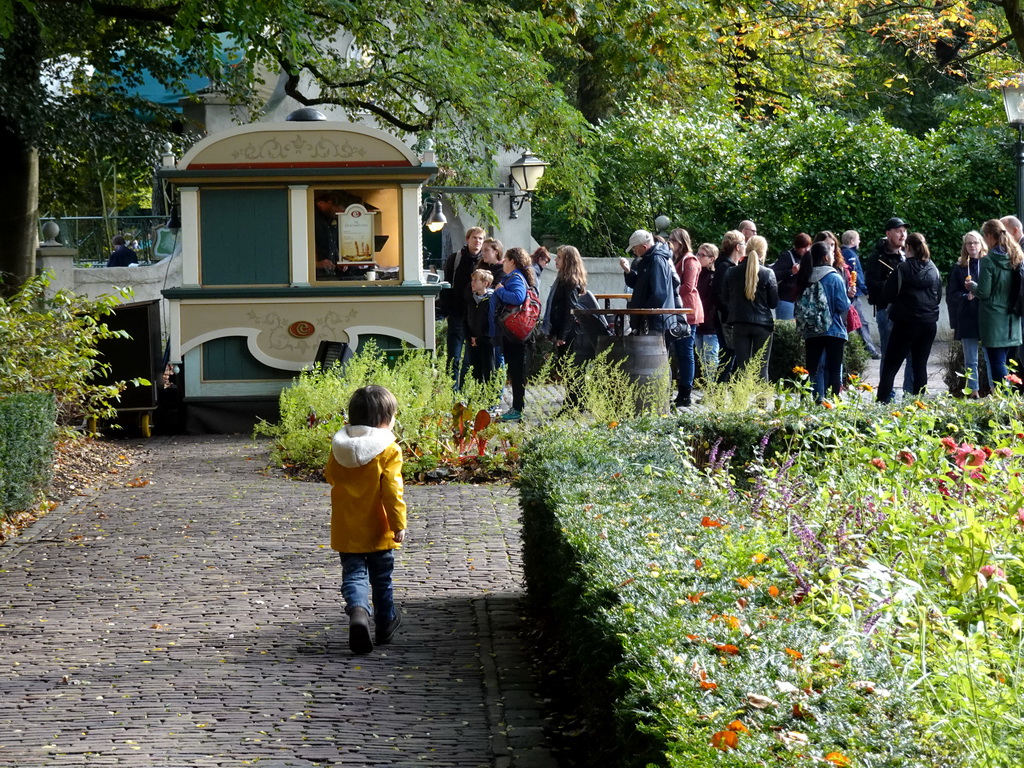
(609, 392)
(808, 170)
(851, 566)
(26, 448)
(433, 424)
(788, 353)
(50, 345)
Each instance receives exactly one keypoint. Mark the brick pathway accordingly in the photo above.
(196, 621)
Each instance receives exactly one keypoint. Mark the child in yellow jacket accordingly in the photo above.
(367, 513)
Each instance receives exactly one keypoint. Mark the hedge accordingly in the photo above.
(636, 583)
(26, 448)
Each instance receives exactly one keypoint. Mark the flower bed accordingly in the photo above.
(847, 596)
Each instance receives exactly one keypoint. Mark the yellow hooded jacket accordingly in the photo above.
(365, 473)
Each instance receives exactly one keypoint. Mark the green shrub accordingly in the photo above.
(434, 424)
(841, 562)
(658, 579)
(808, 170)
(788, 353)
(50, 345)
(26, 448)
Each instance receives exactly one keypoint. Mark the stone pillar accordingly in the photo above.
(59, 260)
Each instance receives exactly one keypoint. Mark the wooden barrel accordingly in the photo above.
(645, 360)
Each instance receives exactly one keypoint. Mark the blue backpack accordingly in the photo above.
(812, 313)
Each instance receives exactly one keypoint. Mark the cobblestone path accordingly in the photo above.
(189, 616)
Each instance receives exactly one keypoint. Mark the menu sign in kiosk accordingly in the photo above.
(357, 236)
(294, 233)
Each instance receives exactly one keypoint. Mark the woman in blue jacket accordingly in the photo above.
(519, 276)
(816, 271)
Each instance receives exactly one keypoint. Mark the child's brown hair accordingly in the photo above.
(483, 275)
(372, 406)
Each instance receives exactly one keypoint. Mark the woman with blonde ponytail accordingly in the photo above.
(751, 294)
(998, 328)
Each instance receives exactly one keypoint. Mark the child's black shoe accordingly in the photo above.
(359, 631)
(385, 633)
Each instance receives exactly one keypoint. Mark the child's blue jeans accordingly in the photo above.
(363, 573)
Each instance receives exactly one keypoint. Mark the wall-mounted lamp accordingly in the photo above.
(437, 218)
(524, 173)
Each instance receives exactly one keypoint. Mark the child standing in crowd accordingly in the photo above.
(367, 513)
(481, 352)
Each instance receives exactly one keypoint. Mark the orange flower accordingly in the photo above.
(613, 424)
(731, 621)
(920, 405)
(730, 650)
(794, 654)
(709, 522)
(837, 758)
(698, 563)
(707, 685)
(827, 404)
(799, 371)
(737, 726)
(744, 582)
(725, 740)
(695, 597)
(773, 591)
(760, 558)
(693, 638)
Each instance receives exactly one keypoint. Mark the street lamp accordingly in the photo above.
(1013, 100)
(524, 173)
(437, 218)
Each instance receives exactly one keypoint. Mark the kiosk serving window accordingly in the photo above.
(355, 234)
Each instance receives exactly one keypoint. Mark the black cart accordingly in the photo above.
(137, 357)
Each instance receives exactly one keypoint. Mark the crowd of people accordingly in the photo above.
(722, 303)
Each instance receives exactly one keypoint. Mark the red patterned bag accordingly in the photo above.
(517, 323)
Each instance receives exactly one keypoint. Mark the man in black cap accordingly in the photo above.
(889, 252)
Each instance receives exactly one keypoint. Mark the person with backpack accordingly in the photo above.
(519, 279)
(453, 301)
(999, 291)
(821, 307)
(912, 293)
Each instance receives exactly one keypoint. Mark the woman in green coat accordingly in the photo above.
(999, 329)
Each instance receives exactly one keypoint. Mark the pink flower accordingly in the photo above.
(1004, 452)
(967, 455)
(990, 571)
(906, 456)
(1013, 378)
(949, 443)
(1020, 517)
(878, 463)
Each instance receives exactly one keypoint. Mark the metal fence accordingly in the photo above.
(91, 235)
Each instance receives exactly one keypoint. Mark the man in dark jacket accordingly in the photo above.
(454, 300)
(888, 254)
(650, 277)
(123, 256)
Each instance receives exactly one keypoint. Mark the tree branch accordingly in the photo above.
(291, 87)
(164, 14)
